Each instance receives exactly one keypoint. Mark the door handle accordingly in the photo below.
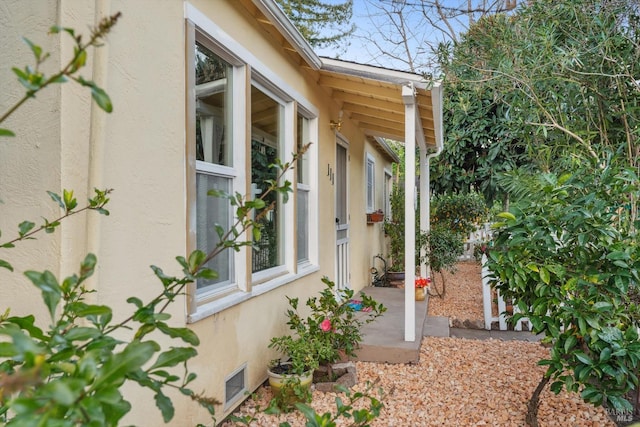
(337, 220)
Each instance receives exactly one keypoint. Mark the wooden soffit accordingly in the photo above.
(372, 98)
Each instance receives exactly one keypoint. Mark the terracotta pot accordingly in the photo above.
(375, 217)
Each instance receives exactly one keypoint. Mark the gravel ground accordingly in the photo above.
(458, 382)
(463, 297)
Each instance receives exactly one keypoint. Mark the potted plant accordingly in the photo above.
(290, 377)
(330, 332)
(421, 284)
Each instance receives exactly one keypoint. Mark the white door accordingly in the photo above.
(343, 272)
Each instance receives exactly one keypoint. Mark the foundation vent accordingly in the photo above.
(235, 386)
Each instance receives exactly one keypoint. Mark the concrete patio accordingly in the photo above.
(383, 339)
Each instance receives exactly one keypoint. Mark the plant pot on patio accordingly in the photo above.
(396, 278)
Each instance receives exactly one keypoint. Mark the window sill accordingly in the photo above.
(228, 301)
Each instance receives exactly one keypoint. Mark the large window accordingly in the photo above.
(214, 164)
(241, 118)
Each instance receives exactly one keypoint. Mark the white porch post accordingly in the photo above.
(408, 97)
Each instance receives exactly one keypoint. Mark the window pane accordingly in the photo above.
(210, 211)
(370, 184)
(266, 125)
(303, 225)
(302, 138)
(213, 107)
(341, 185)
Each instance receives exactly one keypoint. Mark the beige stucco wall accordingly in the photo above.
(65, 141)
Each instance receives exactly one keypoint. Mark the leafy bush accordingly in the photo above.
(332, 327)
(570, 259)
(459, 212)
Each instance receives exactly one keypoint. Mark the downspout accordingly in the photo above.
(97, 143)
(425, 184)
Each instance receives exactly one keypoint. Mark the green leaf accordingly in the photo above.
(25, 227)
(6, 132)
(101, 98)
(593, 322)
(185, 334)
(602, 306)
(173, 357)
(37, 50)
(7, 349)
(605, 354)
(196, 258)
(617, 255)
(56, 29)
(56, 198)
(589, 393)
(61, 391)
(165, 405)
(134, 355)
(544, 275)
(69, 201)
(80, 333)
(583, 358)
(28, 324)
(80, 60)
(570, 343)
(135, 301)
(5, 264)
(256, 233)
(48, 285)
(507, 215)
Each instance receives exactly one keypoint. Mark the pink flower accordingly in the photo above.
(325, 325)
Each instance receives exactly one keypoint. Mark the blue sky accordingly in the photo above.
(363, 51)
(373, 27)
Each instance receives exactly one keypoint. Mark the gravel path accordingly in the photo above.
(458, 382)
(463, 297)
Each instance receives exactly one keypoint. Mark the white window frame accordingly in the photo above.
(285, 145)
(388, 186)
(370, 195)
(307, 186)
(248, 285)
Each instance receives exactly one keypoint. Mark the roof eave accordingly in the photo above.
(386, 149)
(273, 13)
(372, 72)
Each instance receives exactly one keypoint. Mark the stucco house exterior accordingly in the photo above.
(205, 93)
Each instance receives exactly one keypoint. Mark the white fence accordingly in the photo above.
(488, 297)
(480, 236)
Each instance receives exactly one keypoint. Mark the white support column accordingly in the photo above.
(408, 97)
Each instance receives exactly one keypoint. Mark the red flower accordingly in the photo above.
(422, 282)
(325, 325)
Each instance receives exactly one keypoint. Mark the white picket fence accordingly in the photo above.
(488, 295)
(480, 236)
